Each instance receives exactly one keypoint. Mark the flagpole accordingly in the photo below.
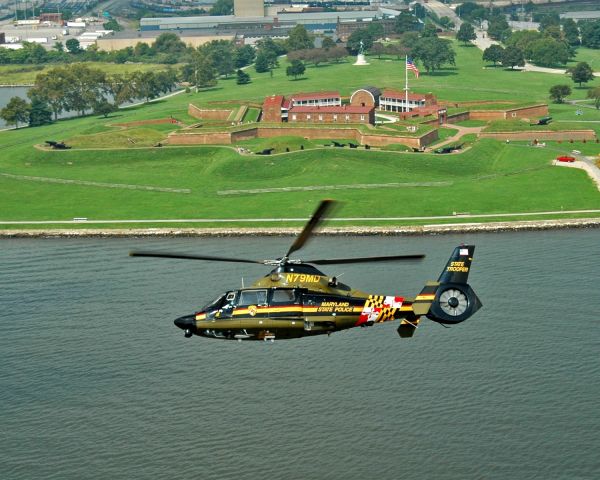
(406, 84)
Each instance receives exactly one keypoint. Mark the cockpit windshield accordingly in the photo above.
(215, 304)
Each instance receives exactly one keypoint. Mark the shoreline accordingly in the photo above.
(441, 229)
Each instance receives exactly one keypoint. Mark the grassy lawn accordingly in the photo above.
(589, 55)
(490, 177)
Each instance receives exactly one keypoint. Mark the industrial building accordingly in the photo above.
(317, 22)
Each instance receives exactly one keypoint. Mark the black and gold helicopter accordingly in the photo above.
(297, 300)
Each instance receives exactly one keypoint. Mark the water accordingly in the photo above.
(6, 93)
(96, 382)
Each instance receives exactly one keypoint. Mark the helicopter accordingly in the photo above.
(296, 300)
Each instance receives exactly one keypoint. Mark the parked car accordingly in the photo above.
(566, 158)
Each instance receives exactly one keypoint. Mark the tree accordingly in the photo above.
(242, 77)
(112, 24)
(296, 69)
(104, 108)
(513, 57)
(559, 92)
(405, 22)
(15, 112)
(377, 49)
(429, 30)
(170, 44)
(222, 7)
(262, 63)
(221, 53)
(554, 31)
(51, 87)
(590, 34)
(85, 87)
(376, 30)
(571, 32)
(72, 45)
(121, 88)
(581, 73)
(200, 71)
(498, 28)
(523, 39)
(466, 33)
(595, 94)
(299, 39)
(549, 20)
(244, 56)
(327, 43)
(35, 53)
(361, 35)
(433, 52)
(493, 54)
(446, 23)
(142, 49)
(548, 52)
(39, 113)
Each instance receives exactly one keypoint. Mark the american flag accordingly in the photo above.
(411, 66)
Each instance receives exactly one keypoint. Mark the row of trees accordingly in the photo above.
(80, 89)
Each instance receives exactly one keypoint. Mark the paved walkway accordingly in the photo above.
(456, 137)
(588, 164)
(280, 220)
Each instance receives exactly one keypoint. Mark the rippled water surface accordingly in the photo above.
(96, 382)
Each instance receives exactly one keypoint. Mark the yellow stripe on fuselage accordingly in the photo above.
(426, 297)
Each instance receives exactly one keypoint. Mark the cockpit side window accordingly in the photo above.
(253, 297)
(283, 297)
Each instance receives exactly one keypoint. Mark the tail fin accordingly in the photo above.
(458, 266)
(454, 299)
(449, 300)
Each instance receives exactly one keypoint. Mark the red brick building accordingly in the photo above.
(272, 109)
(332, 114)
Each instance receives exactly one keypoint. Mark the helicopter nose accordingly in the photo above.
(187, 322)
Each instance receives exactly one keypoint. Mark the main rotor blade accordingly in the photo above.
(338, 261)
(313, 223)
(185, 256)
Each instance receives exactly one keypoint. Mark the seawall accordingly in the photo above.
(491, 227)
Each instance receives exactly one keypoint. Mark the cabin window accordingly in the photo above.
(253, 297)
(283, 297)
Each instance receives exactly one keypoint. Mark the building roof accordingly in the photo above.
(315, 95)
(274, 101)
(400, 95)
(374, 91)
(331, 109)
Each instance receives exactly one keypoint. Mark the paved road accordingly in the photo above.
(282, 220)
(442, 10)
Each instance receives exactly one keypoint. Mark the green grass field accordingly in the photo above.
(490, 177)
